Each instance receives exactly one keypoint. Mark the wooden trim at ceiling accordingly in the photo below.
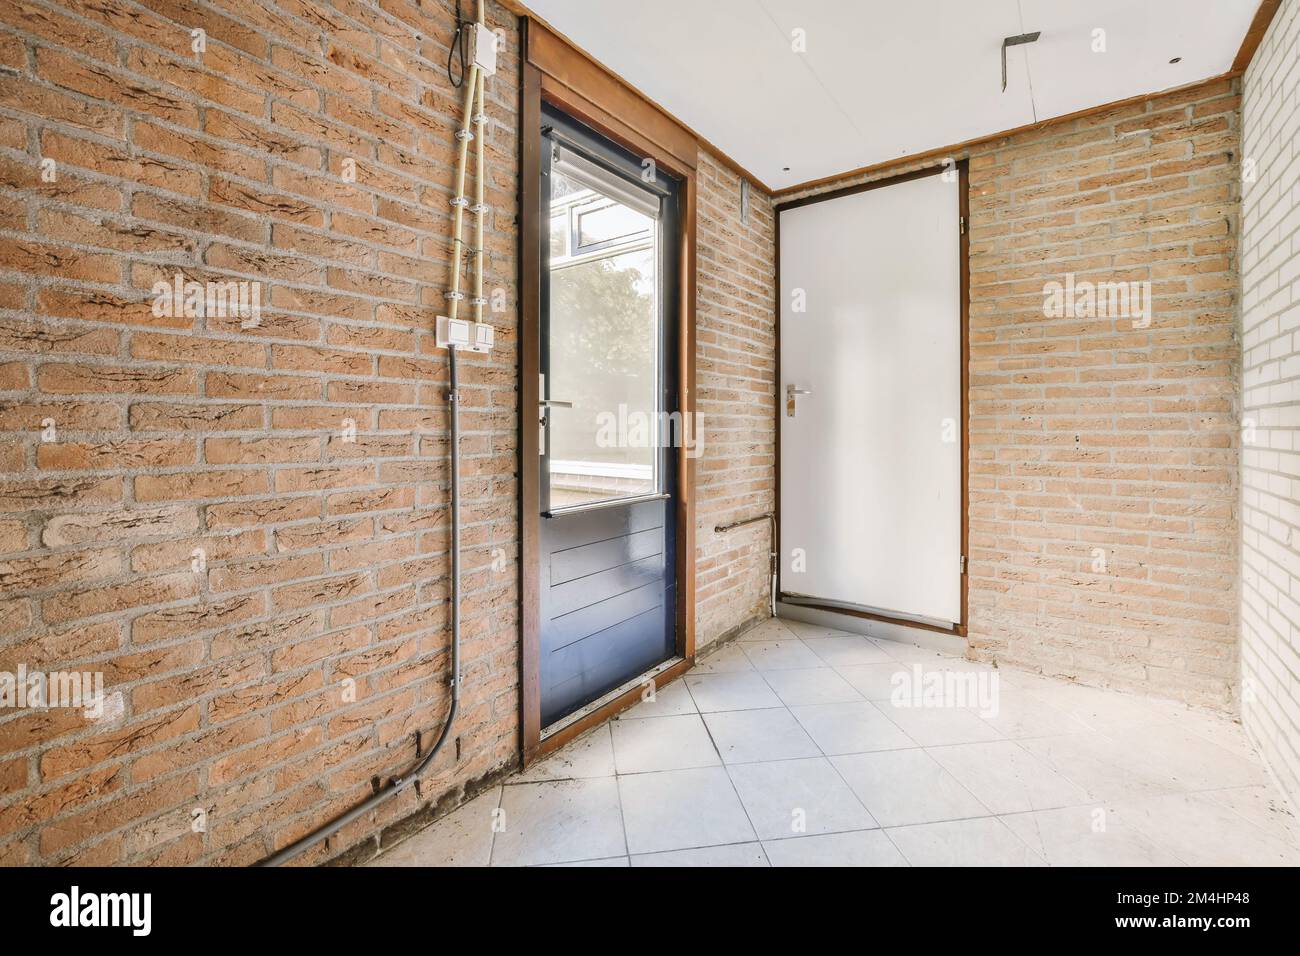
(957, 150)
(538, 27)
(563, 63)
(1255, 35)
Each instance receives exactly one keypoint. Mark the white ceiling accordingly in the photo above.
(882, 79)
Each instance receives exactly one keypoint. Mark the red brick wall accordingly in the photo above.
(1090, 434)
(324, 558)
(271, 683)
(736, 392)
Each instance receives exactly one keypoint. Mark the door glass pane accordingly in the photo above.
(603, 350)
(608, 223)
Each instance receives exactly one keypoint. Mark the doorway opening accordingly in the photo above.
(873, 431)
(606, 412)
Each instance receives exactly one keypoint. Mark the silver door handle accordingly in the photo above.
(790, 392)
(546, 403)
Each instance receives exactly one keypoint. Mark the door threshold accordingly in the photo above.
(907, 632)
(622, 697)
(791, 599)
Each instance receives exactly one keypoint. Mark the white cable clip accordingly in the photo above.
(464, 134)
(454, 296)
(479, 208)
(459, 201)
(478, 300)
(480, 119)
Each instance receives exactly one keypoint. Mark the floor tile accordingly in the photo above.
(680, 809)
(802, 629)
(1218, 729)
(1104, 711)
(769, 630)
(1106, 769)
(860, 848)
(851, 728)
(613, 861)
(1007, 778)
(1193, 762)
(1262, 806)
(728, 659)
(902, 787)
(937, 726)
(846, 651)
(559, 821)
(788, 798)
(591, 755)
(747, 736)
(668, 701)
(1087, 836)
(1026, 680)
(816, 685)
(781, 655)
(1020, 714)
(462, 838)
(1201, 832)
(735, 854)
(981, 842)
(662, 743)
(900, 651)
(713, 692)
(874, 681)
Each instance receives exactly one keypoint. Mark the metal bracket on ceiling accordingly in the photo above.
(1015, 41)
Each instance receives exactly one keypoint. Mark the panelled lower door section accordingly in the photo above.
(870, 400)
(608, 604)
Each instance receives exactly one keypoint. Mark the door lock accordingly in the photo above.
(546, 403)
(542, 405)
(790, 392)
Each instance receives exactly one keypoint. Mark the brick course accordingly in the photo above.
(1270, 280)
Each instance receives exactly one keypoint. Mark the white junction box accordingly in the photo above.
(483, 49)
(465, 335)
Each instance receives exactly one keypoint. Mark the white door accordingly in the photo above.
(871, 352)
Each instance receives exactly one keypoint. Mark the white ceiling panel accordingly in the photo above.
(880, 79)
(1141, 38)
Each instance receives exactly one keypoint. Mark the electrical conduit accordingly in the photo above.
(474, 91)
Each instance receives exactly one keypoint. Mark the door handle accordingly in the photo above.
(790, 392)
(546, 403)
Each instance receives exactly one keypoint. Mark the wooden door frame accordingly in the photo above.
(963, 211)
(560, 75)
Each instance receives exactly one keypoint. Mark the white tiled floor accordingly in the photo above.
(783, 748)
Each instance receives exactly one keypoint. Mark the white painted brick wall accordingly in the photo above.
(1270, 326)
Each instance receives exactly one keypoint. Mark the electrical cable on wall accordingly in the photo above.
(456, 49)
(453, 334)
